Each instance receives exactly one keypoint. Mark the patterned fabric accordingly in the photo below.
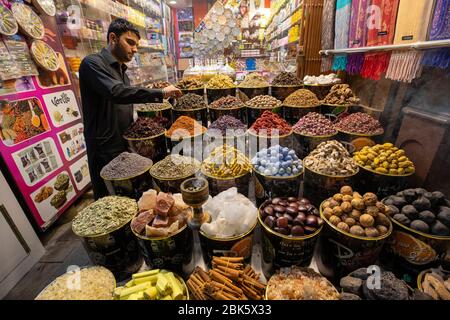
(412, 21)
(437, 58)
(440, 27)
(357, 35)
(355, 63)
(342, 20)
(375, 64)
(405, 66)
(343, 10)
(381, 31)
(329, 8)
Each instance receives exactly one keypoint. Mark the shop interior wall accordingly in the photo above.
(428, 139)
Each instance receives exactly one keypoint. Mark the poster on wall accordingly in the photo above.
(41, 131)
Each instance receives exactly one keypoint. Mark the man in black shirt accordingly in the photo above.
(107, 98)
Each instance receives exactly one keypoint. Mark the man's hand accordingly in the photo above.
(171, 92)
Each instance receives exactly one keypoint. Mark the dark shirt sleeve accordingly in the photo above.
(103, 82)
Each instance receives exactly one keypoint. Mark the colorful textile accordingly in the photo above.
(405, 66)
(437, 58)
(357, 35)
(375, 64)
(381, 24)
(329, 8)
(343, 10)
(440, 27)
(355, 63)
(339, 62)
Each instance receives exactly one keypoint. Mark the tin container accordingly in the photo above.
(131, 187)
(200, 115)
(293, 113)
(267, 187)
(340, 253)
(116, 250)
(173, 252)
(318, 187)
(304, 144)
(381, 184)
(358, 139)
(215, 94)
(171, 184)
(282, 92)
(237, 246)
(165, 112)
(238, 113)
(153, 147)
(217, 185)
(188, 146)
(280, 251)
(255, 113)
(408, 252)
(248, 93)
(258, 142)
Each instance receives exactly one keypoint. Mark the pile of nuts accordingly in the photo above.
(254, 80)
(228, 102)
(190, 83)
(341, 94)
(263, 102)
(302, 98)
(190, 101)
(291, 216)
(332, 159)
(360, 123)
(220, 81)
(286, 79)
(314, 124)
(158, 85)
(362, 216)
(384, 158)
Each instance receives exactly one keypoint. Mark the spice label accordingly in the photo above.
(354, 259)
(72, 141)
(21, 120)
(37, 161)
(54, 195)
(411, 249)
(62, 107)
(80, 173)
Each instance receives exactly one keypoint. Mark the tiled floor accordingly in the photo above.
(63, 248)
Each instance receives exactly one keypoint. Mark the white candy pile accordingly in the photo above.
(232, 214)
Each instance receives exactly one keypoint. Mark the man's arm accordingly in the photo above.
(103, 82)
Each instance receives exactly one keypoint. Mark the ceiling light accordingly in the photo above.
(172, 2)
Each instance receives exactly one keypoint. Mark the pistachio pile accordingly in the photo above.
(263, 102)
(254, 80)
(341, 94)
(104, 215)
(332, 159)
(362, 216)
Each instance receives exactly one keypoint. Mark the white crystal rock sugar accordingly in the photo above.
(232, 214)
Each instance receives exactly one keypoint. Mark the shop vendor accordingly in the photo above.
(107, 98)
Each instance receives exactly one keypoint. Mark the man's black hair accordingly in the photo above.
(120, 26)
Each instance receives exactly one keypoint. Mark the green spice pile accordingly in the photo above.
(175, 166)
(104, 215)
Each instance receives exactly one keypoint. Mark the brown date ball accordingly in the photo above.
(357, 231)
(270, 221)
(338, 197)
(268, 210)
(281, 230)
(366, 220)
(346, 190)
(335, 220)
(327, 213)
(343, 226)
(282, 222)
(304, 201)
(346, 207)
(370, 199)
(333, 203)
(382, 230)
(312, 221)
(358, 204)
(372, 232)
(337, 211)
(326, 204)
(372, 210)
(347, 198)
(355, 214)
(350, 222)
(357, 195)
(381, 207)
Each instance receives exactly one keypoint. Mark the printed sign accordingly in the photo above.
(80, 172)
(62, 107)
(37, 161)
(72, 141)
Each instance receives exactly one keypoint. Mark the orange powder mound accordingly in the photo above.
(185, 124)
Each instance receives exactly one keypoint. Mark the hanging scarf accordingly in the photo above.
(329, 7)
(381, 30)
(412, 26)
(343, 11)
(355, 63)
(440, 30)
(358, 24)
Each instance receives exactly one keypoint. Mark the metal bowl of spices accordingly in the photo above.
(127, 175)
(169, 173)
(105, 228)
(228, 105)
(281, 92)
(156, 110)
